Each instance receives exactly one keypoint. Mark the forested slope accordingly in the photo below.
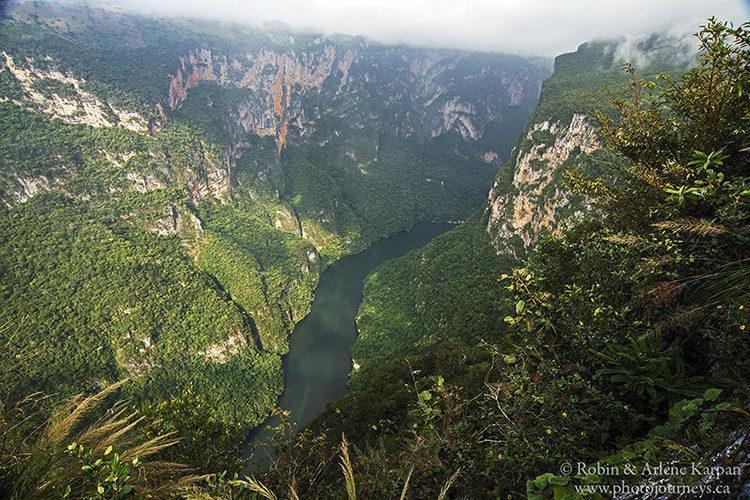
(451, 291)
(445, 291)
(172, 189)
(625, 346)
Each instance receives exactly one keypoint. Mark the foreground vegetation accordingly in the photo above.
(627, 341)
(184, 249)
(626, 344)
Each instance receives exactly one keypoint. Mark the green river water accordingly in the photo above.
(319, 360)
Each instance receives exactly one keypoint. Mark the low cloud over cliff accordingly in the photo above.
(532, 27)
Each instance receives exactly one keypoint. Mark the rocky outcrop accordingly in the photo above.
(27, 187)
(528, 197)
(408, 91)
(177, 220)
(62, 96)
(214, 183)
(275, 79)
(536, 201)
(221, 351)
(144, 182)
(324, 90)
(458, 115)
(137, 367)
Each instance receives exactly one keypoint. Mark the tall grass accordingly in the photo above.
(346, 468)
(35, 463)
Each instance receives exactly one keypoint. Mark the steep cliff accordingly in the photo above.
(449, 289)
(410, 92)
(528, 197)
(64, 97)
(535, 201)
(151, 169)
(331, 102)
(348, 114)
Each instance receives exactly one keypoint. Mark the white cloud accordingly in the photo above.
(536, 27)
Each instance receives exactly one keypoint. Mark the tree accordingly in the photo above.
(684, 140)
(205, 442)
(666, 266)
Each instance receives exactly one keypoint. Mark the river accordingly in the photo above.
(319, 360)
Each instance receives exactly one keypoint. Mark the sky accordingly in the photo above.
(528, 27)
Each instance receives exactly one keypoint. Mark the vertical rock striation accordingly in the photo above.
(536, 202)
(410, 92)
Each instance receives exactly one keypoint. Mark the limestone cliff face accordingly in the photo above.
(26, 187)
(409, 92)
(536, 201)
(277, 81)
(324, 93)
(62, 96)
(528, 197)
(301, 94)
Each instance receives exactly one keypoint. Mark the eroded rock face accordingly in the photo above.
(26, 187)
(537, 202)
(221, 351)
(273, 77)
(528, 197)
(289, 93)
(144, 182)
(409, 92)
(460, 116)
(61, 96)
(146, 356)
(293, 95)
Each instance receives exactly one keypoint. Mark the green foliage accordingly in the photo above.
(578, 82)
(349, 194)
(551, 486)
(205, 443)
(647, 370)
(207, 112)
(626, 333)
(682, 204)
(10, 86)
(444, 291)
(494, 416)
(379, 405)
(106, 478)
(631, 290)
(243, 389)
(124, 59)
(271, 274)
(94, 299)
(66, 449)
(33, 145)
(218, 292)
(417, 182)
(105, 284)
(623, 343)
